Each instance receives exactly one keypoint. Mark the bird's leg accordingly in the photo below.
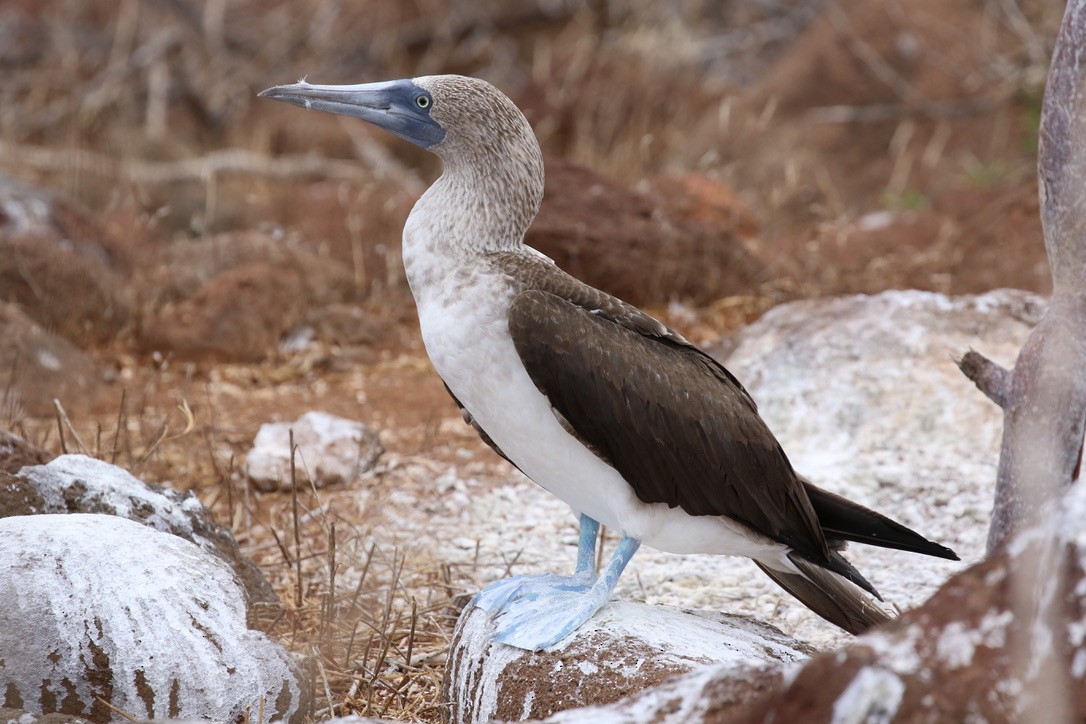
(622, 555)
(544, 610)
(586, 546)
(497, 595)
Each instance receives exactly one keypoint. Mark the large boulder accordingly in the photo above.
(625, 648)
(81, 484)
(100, 614)
(633, 244)
(863, 391)
(232, 297)
(866, 399)
(59, 265)
(37, 366)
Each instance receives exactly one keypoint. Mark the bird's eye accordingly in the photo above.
(422, 102)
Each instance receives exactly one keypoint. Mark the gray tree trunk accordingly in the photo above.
(1044, 396)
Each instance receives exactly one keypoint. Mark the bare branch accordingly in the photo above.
(224, 162)
(990, 378)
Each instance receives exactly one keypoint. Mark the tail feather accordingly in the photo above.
(829, 596)
(840, 565)
(845, 520)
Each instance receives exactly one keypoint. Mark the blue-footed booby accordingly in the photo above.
(596, 401)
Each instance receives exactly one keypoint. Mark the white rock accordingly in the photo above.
(86, 482)
(97, 606)
(331, 450)
(707, 694)
(81, 484)
(864, 394)
(865, 388)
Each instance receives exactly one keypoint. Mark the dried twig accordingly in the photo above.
(64, 421)
(121, 712)
(297, 528)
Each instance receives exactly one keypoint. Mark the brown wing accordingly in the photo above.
(677, 426)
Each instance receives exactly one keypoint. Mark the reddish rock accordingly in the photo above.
(58, 265)
(968, 243)
(232, 297)
(358, 225)
(237, 316)
(710, 693)
(624, 649)
(698, 198)
(636, 246)
(176, 271)
(37, 366)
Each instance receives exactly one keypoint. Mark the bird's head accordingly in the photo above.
(446, 114)
(493, 164)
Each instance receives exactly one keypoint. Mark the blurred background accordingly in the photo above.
(181, 261)
(804, 148)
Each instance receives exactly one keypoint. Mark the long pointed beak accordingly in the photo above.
(360, 101)
(390, 105)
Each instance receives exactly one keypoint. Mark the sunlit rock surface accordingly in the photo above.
(97, 611)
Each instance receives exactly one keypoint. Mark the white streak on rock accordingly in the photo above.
(872, 697)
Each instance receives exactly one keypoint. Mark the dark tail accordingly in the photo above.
(831, 597)
(841, 519)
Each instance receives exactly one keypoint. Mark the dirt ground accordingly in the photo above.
(198, 261)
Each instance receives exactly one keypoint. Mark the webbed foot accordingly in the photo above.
(534, 612)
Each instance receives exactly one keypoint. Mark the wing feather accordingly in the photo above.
(678, 427)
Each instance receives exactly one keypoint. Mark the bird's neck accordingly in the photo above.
(478, 205)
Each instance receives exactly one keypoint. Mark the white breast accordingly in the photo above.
(463, 312)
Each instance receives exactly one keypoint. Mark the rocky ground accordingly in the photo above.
(182, 263)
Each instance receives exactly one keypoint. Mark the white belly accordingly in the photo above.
(467, 339)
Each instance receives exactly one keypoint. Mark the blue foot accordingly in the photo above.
(541, 614)
(534, 612)
(498, 596)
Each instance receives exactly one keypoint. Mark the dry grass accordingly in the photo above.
(372, 624)
(369, 622)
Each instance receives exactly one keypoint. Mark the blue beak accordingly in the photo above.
(398, 106)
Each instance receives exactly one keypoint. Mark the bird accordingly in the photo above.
(593, 399)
